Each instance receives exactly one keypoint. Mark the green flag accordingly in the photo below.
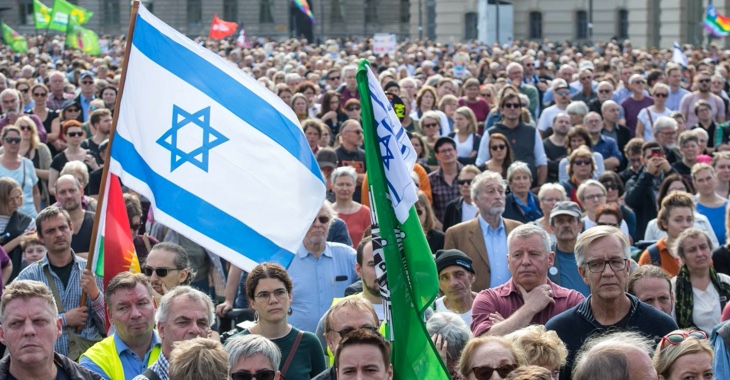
(41, 15)
(14, 40)
(63, 11)
(78, 37)
(398, 238)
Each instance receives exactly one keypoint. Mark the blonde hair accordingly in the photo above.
(198, 359)
(430, 222)
(472, 346)
(34, 139)
(665, 357)
(541, 347)
(469, 115)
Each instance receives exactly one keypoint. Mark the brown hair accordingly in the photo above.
(609, 209)
(670, 202)
(509, 158)
(646, 271)
(266, 270)
(364, 337)
(198, 359)
(125, 280)
(27, 289)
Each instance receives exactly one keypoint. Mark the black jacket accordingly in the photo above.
(453, 213)
(72, 369)
(640, 197)
(513, 211)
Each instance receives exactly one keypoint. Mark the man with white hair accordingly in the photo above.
(665, 133)
(529, 297)
(12, 110)
(636, 102)
(565, 73)
(621, 355)
(349, 89)
(56, 95)
(515, 73)
(612, 126)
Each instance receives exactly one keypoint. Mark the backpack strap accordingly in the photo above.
(150, 374)
(656, 258)
(293, 351)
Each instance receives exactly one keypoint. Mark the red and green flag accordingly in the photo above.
(14, 40)
(78, 37)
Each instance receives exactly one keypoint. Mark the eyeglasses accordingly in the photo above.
(353, 109)
(464, 181)
(350, 329)
(604, 91)
(703, 80)
(610, 186)
(25, 128)
(594, 197)
(12, 140)
(25, 90)
(430, 125)
(355, 131)
(75, 134)
(498, 147)
(564, 93)
(485, 372)
(598, 266)
(322, 219)
(446, 151)
(280, 294)
(617, 225)
(677, 338)
(639, 82)
(512, 105)
(161, 272)
(87, 82)
(660, 95)
(581, 162)
(39, 94)
(73, 109)
(264, 374)
(333, 78)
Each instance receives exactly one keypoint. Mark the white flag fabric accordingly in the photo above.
(678, 55)
(394, 146)
(223, 160)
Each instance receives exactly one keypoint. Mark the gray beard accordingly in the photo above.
(495, 211)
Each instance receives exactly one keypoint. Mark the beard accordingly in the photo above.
(494, 211)
(372, 289)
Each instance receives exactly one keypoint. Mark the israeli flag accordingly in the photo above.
(678, 55)
(223, 160)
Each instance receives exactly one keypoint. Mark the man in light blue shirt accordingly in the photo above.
(676, 92)
(88, 88)
(720, 339)
(319, 272)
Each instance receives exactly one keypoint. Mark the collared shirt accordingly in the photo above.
(71, 298)
(581, 96)
(55, 103)
(507, 299)
(160, 368)
(538, 150)
(85, 103)
(607, 147)
(442, 191)
(675, 98)
(318, 281)
(132, 364)
(496, 243)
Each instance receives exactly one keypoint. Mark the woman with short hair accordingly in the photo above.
(487, 356)
(541, 348)
(591, 195)
(647, 116)
(548, 196)
(253, 355)
(354, 214)
(520, 205)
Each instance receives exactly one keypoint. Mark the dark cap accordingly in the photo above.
(327, 157)
(565, 208)
(448, 257)
(86, 73)
(391, 84)
(443, 140)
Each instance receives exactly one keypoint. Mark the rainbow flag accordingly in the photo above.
(715, 23)
(303, 6)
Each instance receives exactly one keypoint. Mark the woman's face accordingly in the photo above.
(26, 131)
(493, 356)
(548, 201)
(427, 101)
(334, 103)
(353, 111)
(430, 127)
(325, 139)
(697, 253)
(313, 136)
(344, 187)
(705, 182)
(109, 96)
(692, 366)
(717, 85)
(71, 113)
(520, 183)
(575, 119)
(421, 211)
(593, 197)
(271, 300)
(450, 108)
(608, 220)
(460, 122)
(74, 136)
(611, 191)
(576, 142)
(15, 200)
(676, 186)
(25, 91)
(581, 167)
(417, 146)
(471, 92)
(447, 89)
(679, 219)
(285, 96)
(660, 96)
(300, 106)
(498, 149)
(722, 170)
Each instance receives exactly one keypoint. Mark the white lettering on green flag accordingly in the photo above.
(63, 10)
(41, 15)
(401, 253)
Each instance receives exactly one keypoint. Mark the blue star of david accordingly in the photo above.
(198, 156)
(388, 154)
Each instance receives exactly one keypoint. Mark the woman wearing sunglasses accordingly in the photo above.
(74, 135)
(646, 118)
(19, 168)
(269, 292)
(581, 168)
(32, 148)
(700, 292)
(487, 356)
(253, 357)
(39, 92)
(56, 138)
(500, 154)
(684, 354)
(576, 138)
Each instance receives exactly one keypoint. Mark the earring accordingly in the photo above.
(256, 316)
(290, 311)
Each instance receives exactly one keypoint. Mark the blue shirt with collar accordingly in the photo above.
(496, 243)
(317, 281)
(607, 147)
(85, 103)
(675, 98)
(133, 365)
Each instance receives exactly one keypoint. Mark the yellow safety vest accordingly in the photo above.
(104, 354)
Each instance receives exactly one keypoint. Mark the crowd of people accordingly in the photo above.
(574, 198)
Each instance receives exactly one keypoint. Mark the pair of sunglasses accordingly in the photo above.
(264, 374)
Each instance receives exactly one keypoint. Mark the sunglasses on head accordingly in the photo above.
(12, 140)
(161, 272)
(485, 372)
(498, 147)
(264, 374)
(677, 338)
(75, 134)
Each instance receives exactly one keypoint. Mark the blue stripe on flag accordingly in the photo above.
(198, 214)
(229, 93)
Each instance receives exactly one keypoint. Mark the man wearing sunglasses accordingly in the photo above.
(603, 254)
(717, 106)
(184, 313)
(87, 94)
(167, 266)
(12, 110)
(562, 99)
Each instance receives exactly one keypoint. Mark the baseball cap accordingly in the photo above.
(565, 208)
(86, 73)
(327, 157)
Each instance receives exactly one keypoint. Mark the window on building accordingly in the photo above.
(535, 25)
(230, 10)
(470, 25)
(581, 25)
(405, 11)
(26, 12)
(195, 12)
(111, 12)
(371, 11)
(623, 24)
(266, 11)
(338, 10)
(431, 19)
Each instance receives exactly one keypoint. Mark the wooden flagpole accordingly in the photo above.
(105, 172)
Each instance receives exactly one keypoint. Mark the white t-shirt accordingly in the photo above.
(439, 307)
(468, 212)
(464, 148)
(643, 117)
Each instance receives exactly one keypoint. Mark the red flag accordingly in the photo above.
(242, 40)
(220, 29)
